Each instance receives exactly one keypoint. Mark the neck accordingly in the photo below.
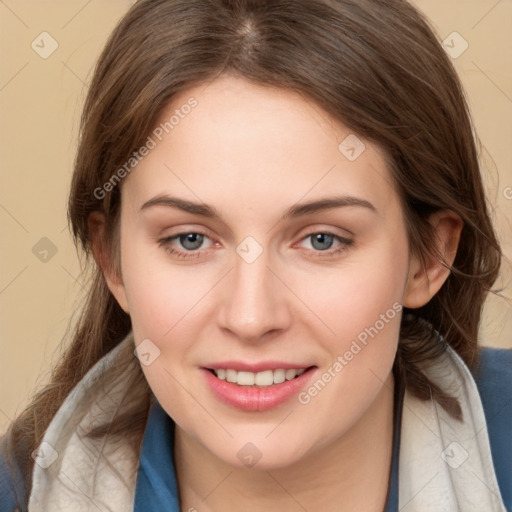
(350, 474)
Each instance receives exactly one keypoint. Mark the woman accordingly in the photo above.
(288, 225)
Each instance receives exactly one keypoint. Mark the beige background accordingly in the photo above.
(40, 102)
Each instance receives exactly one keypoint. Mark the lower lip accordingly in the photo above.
(256, 399)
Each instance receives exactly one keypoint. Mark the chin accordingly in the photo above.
(259, 453)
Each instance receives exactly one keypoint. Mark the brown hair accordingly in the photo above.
(374, 65)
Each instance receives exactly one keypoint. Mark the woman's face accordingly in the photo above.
(296, 258)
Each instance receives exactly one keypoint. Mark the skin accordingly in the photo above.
(252, 152)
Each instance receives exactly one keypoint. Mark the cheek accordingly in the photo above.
(361, 305)
(364, 292)
(160, 293)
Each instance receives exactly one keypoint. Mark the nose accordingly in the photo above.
(255, 304)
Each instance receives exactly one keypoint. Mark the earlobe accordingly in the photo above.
(101, 255)
(425, 278)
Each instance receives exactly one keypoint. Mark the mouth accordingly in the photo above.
(261, 379)
(257, 391)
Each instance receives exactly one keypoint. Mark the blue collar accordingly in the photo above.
(157, 487)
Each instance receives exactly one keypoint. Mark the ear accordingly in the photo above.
(96, 222)
(425, 279)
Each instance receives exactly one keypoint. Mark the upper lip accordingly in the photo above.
(241, 366)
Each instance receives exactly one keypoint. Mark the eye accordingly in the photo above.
(189, 241)
(322, 243)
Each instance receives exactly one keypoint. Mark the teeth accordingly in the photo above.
(290, 374)
(245, 379)
(265, 378)
(231, 375)
(279, 376)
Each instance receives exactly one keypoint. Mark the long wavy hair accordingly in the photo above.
(374, 65)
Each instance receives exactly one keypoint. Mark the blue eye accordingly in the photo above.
(194, 239)
(322, 242)
(190, 241)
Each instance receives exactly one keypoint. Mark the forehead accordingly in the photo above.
(258, 146)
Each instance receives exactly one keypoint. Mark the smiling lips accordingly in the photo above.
(256, 390)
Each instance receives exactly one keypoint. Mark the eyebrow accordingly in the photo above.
(296, 210)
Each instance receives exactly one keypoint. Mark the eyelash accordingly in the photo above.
(184, 255)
